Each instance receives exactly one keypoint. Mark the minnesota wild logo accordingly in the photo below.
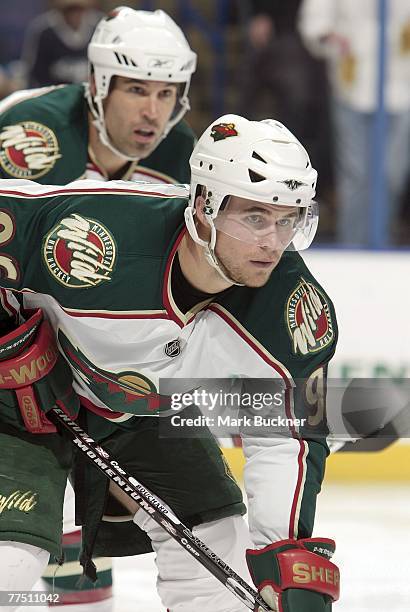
(220, 131)
(80, 252)
(308, 319)
(126, 392)
(28, 149)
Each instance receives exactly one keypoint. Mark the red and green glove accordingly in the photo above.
(296, 575)
(34, 376)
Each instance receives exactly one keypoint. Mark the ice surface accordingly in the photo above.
(371, 526)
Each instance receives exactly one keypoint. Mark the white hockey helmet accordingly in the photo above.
(145, 45)
(256, 160)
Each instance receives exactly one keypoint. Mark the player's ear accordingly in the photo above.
(200, 199)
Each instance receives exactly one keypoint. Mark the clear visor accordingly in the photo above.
(279, 227)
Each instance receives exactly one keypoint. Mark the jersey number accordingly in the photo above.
(8, 265)
(315, 394)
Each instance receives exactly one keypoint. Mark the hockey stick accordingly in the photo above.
(160, 513)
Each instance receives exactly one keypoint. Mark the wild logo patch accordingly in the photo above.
(28, 149)
(220, 131)
(308, 319)
(79, 252)
(293, 184)
(117, 390)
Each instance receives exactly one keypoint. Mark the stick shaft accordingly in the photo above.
(158, 511)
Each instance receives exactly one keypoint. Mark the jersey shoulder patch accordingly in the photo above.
(32, 129)
(308, 318)
(309, 314)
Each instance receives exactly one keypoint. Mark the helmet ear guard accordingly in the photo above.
(142, 45)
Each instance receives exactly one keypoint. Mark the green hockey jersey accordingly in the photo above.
(97, 258)
(44, 137)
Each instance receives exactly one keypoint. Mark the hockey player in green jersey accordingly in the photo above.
(140, 287)
(124, 124)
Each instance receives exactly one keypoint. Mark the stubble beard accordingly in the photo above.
(252, 280)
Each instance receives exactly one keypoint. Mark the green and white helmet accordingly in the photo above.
(256, 160)
(144, 45)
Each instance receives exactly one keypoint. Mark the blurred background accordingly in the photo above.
(337, 73)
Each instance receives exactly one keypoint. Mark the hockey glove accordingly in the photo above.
(296, 575)
(35, 374)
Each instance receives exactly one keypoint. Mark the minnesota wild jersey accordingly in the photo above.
(44, 137)
(100, 267)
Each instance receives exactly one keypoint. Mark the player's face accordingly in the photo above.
(136, 113)
(251, 238)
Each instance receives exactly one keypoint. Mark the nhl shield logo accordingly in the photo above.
(173, 348)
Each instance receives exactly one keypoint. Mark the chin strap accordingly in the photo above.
(212, 260)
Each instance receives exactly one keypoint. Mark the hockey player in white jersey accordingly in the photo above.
(140, 287)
